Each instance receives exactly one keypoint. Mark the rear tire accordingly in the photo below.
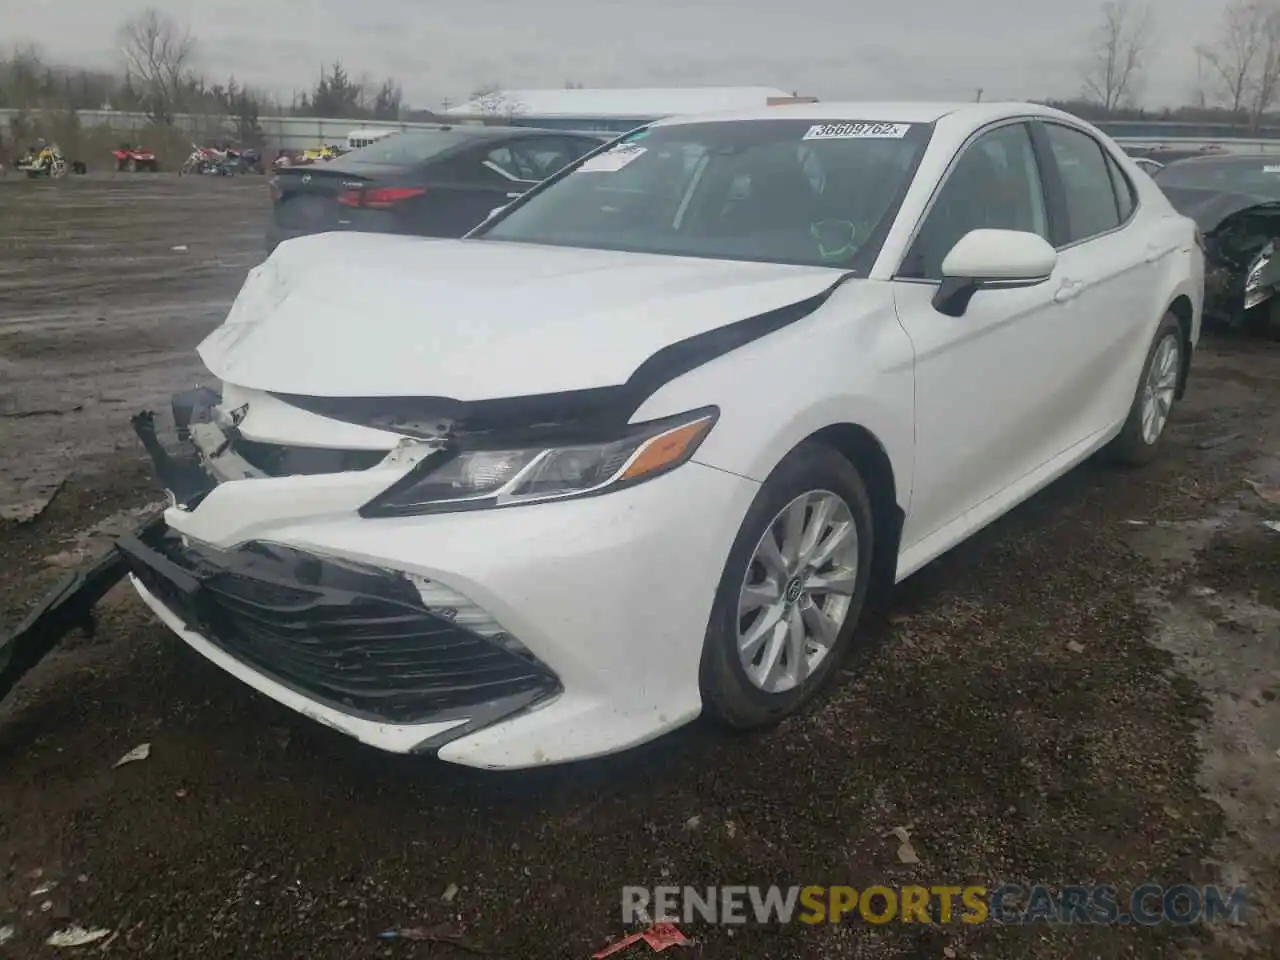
(1264, 320)
(740, 689)
(1139, 439)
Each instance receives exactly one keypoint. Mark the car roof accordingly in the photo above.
(481, 132)
(908, 111)
(1241, 158)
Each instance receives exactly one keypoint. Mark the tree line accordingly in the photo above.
(1237, 77)
(159, 76)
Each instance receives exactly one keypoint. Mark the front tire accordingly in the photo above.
(791, 592)
(1264, 320)
(1139, 439)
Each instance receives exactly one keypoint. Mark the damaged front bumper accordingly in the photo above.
(494, 638)
(353, 646)
(1235, 290)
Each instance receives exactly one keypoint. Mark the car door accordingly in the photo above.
(525, 162)
(464, 189)
(1111, 259)
(989, 383)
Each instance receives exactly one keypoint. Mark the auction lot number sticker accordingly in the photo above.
(851, 130)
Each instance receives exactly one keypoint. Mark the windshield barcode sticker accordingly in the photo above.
(613, 160)
(857, 131)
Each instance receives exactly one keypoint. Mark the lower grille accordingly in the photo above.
(354, 638)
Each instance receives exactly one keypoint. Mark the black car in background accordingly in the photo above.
(1235, 201)
(433, 182)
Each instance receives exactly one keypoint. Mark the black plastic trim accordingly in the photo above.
(1051, 180)
(68, 606)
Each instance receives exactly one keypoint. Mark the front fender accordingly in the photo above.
(848, 363)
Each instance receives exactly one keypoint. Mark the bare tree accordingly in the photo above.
(491, 100)
(1266, 83)
(1237, 57)
(20, 75)
(1200, 89)
(388, 101)
(1113, 69)
(159, 55)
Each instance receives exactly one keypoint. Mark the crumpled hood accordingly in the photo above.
(372, 315)
(1211, 208)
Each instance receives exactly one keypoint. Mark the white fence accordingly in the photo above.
(282, 133)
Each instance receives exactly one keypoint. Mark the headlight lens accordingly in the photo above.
(1254, 291)
(471, 479)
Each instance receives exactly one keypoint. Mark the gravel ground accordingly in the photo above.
(1085, 692)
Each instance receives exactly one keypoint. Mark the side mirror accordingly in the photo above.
(992, 259)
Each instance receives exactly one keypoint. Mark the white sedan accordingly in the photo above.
(639, 446)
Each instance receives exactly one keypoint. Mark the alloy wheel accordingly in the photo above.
(797, 591)
(1159, 389)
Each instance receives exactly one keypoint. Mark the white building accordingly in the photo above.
(614, 110)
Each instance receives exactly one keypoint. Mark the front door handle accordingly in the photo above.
(1069, 290)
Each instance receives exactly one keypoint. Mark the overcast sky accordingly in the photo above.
(832, 49)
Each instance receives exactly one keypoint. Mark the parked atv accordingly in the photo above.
(43, 160)
(303, 158)
(132, 159)
(247, 160)
(223, 161)
(206, 160)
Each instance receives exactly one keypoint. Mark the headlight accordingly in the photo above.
(1254, 290)
(473, 479)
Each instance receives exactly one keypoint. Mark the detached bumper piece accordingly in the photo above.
(355, 639)
(66, 607)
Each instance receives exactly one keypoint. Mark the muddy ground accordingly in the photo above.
(1089, 691)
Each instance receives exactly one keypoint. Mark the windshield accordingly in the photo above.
(1260, 177)
(404, 148)
(783, 191)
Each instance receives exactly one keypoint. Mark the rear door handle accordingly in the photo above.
(1155, 252)
(1069, 290)
(512, 196)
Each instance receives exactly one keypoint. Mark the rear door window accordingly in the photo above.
(1086, 183)
(544, 156)
(510, 162)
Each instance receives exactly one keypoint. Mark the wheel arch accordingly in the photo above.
(865, 451)
(1184, 312)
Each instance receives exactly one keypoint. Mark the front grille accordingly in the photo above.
(354, 638)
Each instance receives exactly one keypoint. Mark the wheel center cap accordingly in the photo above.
(794, 589)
